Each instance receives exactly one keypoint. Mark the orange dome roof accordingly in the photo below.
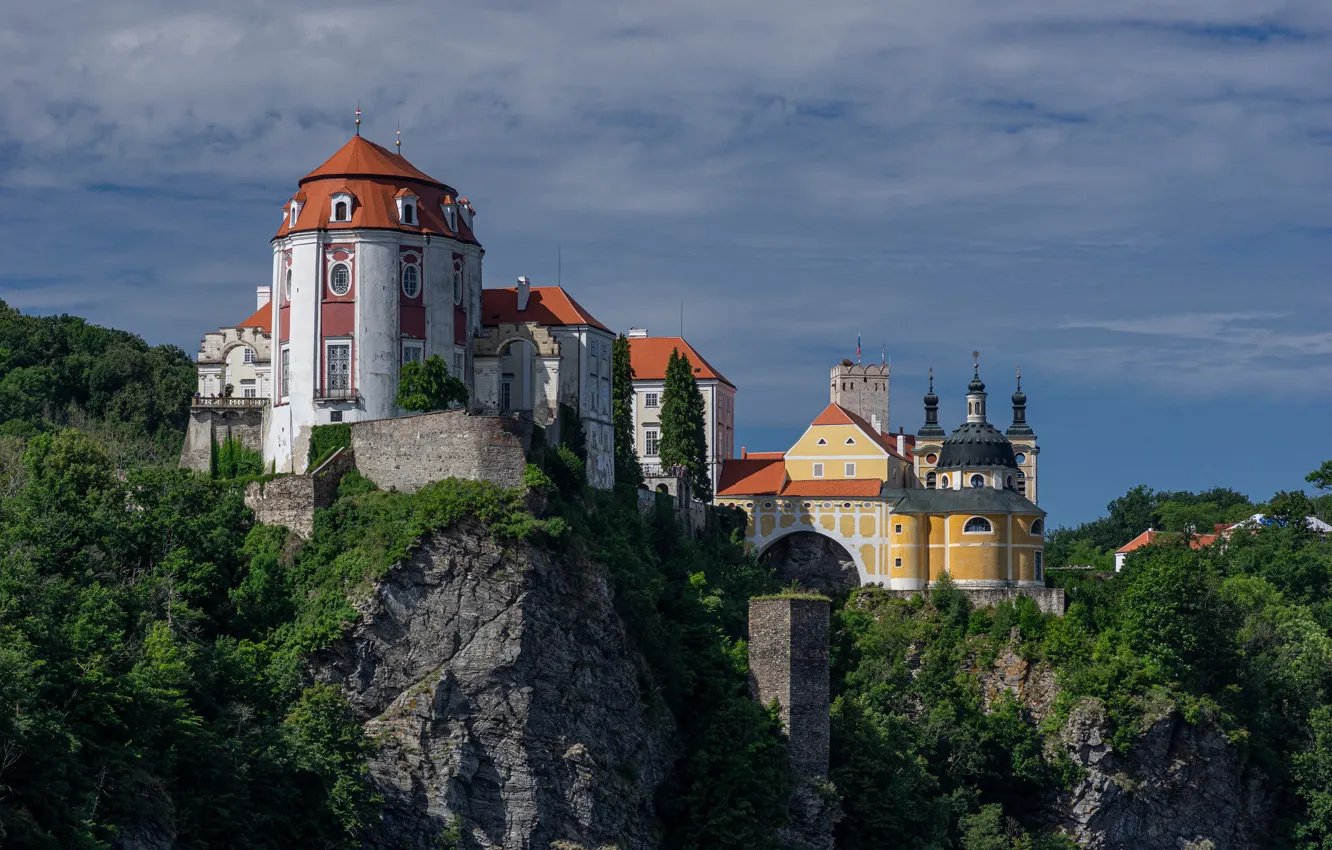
(375, 178)
(362, 158)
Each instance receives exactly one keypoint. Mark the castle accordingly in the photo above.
(851, 503)
(375, 265)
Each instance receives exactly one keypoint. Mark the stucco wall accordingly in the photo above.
(411, 451)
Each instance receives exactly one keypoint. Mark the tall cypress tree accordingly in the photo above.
(683, 440)
(627, 468)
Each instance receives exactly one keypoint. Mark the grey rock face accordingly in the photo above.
(503, 697)
(1180, 787)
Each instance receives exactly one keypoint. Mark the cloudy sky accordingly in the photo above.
(1131, 200)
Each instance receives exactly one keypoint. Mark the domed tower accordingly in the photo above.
(375, 265)
(928, 439)
(977, 454)
(1023, 439)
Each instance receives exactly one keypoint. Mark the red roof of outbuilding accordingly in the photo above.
(1151, 536)
(261, 319)
(751, 477)
(650, 354)
(546, 305)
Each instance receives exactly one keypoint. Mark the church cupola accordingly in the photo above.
(1019, 428)
(931, 427)
(976, 393)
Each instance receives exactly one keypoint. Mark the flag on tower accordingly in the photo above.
(857, 348)
(883, 355)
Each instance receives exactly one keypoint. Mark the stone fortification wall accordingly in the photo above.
(217, 423)
(291, 500)
(1050, 599)
(410, 452)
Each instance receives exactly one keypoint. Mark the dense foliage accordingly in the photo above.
(426, 385)
(325, 440)
(231, 458)
(627, 468)
(58, 371)
(683, 433)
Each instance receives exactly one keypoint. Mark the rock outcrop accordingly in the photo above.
(504, 700)
(1180, 787)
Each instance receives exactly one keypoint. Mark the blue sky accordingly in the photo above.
(1131, 200)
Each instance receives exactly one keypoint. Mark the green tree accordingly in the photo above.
(1322, 476)
(627, 468)
(683, 436)
(426, 385)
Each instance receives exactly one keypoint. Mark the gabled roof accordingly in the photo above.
(546, 305)
(650, 354)
(835, 414)
(361, 157)
(836, 488)
(751, 476)
(261, 319)
(1152, 536)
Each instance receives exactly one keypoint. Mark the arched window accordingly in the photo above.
(978, 525)
(1010, 482)
(457, 281)
(944, 483)
(411, 281)
(288, 284)
(978, 480)
(931, 480)
(340, 281)
(408, 214)
(340, 211)
(1037, 527)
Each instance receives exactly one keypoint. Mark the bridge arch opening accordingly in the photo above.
(814, 561)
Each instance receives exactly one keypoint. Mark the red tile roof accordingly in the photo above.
(1151, 536)
(373, 176)
(834, 488)
(261, 319)
(835, 414)
(752, 477)
(650, 354)
(547, 305)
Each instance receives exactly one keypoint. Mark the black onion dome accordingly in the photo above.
(976, 444)
(931, 400)
(1019, 398)
(976, 385)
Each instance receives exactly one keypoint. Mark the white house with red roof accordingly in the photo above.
(239, 357)
(649, 356)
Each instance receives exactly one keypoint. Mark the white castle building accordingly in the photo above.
(376, 264)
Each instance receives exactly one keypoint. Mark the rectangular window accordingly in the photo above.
(337, 377)
(850, 470)
(506, 393)
(650, 438)
(335, 416)
(249, 390)
(457, 365)
(249, 355)
(605, 396)
(286, 372)
(1040, 565)
(897, 529)
(649, 399)
(413, 352)
(818, 470)
(897, 562)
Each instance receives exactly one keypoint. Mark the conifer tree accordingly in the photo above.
(683, 440)
(627, 468)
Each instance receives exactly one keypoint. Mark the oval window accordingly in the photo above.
(340, 282)
(1020, 458)
(931, 458)
(978, 481)
(411, 281)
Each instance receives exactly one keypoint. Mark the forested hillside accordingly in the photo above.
(157, 690)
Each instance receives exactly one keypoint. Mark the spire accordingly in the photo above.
(976, 392)
(358, 118)
(1020, 428)
(399, 139)
(931, 427)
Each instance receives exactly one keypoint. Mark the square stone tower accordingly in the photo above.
(788, 662)
(863, 390)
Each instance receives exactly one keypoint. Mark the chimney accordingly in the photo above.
(901, 444)
(638, 333)
(743, 454)
(262, 296)
(524, 292)
(876, 424)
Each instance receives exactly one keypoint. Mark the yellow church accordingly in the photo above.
(851, 503)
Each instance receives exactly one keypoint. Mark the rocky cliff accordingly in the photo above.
(1180, 787)
(504, 700)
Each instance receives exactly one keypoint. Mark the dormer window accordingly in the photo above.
(342, 206)
(294, 208)
(450, 210)
(406, 207)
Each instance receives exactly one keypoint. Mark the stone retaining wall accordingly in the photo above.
(291, 500)
(410, 452)
(209, 424)
(1049, 599)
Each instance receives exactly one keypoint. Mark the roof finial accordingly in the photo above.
(931, 379)
(358, 118)
(399, 141)
(1019, 378)
(975, 356)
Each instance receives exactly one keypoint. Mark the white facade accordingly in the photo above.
(718, 422)
(238, 357)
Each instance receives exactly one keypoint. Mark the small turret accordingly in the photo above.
(1019, 428)
(931, 427)
(976, 393)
